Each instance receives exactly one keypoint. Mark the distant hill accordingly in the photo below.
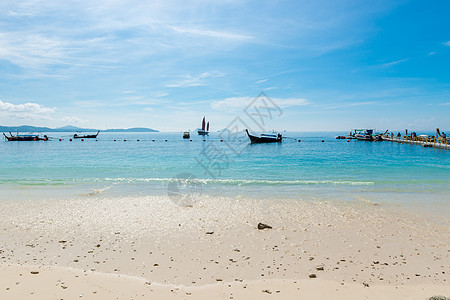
(69, 128)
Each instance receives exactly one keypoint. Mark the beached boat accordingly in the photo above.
(265, 138)
(25, 137)
(205, 128)
(88, 136)
(186, 135)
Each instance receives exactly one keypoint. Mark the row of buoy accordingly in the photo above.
(167, 140)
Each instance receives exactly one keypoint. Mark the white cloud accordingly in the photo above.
(446, 103)
(235, 103)
(447, 43)
(31, 108)
(261, 81)
(72, 120)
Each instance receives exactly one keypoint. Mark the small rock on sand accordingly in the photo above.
(34, 272)
(438, 298)
(262, 226)
(312, 276)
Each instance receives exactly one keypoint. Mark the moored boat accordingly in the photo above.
(205, 128)
(364, 134)
(186, 135)
(25, 137)
(88, 136)
(265, 138)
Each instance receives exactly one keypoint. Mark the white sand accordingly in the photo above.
(132, 248)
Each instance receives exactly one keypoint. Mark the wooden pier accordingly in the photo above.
(424, 142)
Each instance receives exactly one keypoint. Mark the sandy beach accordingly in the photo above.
(150, 248)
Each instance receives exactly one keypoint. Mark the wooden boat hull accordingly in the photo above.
(262, 139)
(17, 138)
(89, 136)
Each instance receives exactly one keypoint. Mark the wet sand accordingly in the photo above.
(142, 247)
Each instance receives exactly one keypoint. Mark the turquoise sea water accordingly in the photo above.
(311, 169)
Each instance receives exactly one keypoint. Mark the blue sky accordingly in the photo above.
(164, 64)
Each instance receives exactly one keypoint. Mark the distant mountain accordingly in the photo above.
(69, 128)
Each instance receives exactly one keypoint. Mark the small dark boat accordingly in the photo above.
(25, 137)
(88, 136)
(265, 138)
(186, 135)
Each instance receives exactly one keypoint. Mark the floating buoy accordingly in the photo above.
(138, 140)
(70, 140)
(348, 141)
(124, 140)
(166, 140)
(82, 140)
(221, 140)
(60, 140)
(204, 140)
(96, 140)
(190, 140)
(323, 141)
(114, 140)
(153, 140)
(34, 139)
(239, 141)
(299, 141)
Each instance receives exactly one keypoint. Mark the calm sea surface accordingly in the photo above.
(337, 170)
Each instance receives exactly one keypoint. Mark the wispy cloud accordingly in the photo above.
(236, 103)
(262, 80)
(211, 33)
(393, 63)
(195, 80)
(446, 103)
(350, 104)
(447, 43)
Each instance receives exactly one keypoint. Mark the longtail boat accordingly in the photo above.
(89, 136)
(25, 137)
(265, 138)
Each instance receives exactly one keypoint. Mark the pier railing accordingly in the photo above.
(442, 143)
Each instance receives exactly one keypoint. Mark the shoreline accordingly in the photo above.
(216, 243)
(67, 283)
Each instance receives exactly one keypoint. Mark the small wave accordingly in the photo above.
(246, 181)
